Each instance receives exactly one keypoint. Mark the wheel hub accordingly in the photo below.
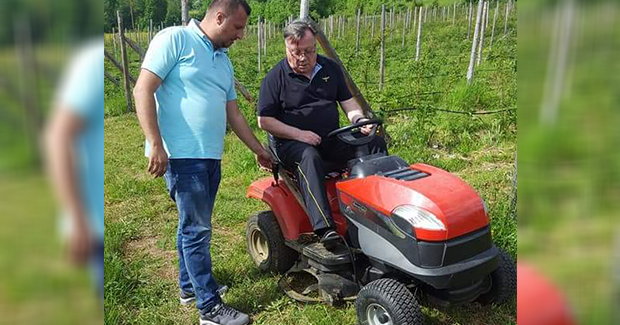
(259, 246)
(377, 315)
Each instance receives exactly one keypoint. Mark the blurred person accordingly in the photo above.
(184, 95)
(74, 154)
(298, 106)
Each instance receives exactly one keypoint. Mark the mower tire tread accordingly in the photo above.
(394, 296)
(281, 257)
(504, 279)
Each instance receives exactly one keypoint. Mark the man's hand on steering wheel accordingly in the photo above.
(366, 129)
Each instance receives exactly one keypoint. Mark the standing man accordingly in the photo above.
(184, 96)
(298, 105)
(74, 155)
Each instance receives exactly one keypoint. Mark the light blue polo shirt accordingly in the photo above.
(81, 92)
(191, 101)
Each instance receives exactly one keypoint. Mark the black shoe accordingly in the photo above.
(222, 314)
(187, 298)
(330, 240)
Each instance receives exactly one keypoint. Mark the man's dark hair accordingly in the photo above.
(230, 6)
(297, 29)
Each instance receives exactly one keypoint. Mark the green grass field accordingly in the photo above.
(140, 254)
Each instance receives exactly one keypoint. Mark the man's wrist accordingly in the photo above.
(358, 118)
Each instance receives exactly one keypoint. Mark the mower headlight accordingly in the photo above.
(419, 218)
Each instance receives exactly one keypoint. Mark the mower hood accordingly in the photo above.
(450, 199)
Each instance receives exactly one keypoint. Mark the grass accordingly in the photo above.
(140, 254)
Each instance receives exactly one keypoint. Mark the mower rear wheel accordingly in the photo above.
(503, 282)
(266, 245)
(388, 302)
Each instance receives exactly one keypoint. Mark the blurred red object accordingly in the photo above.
(539, 302)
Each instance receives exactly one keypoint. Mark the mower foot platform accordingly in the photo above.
(317, 252)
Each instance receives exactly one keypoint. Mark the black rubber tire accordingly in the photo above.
(504, 282)
(394, 297)
(280, 257)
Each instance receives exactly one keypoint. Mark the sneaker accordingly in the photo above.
(330, 239)
(222, 314)
(187, 298)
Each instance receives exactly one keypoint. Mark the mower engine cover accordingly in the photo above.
(441, 205)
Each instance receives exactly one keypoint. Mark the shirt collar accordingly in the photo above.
(194, 26)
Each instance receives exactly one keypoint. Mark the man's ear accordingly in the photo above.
(219, 18)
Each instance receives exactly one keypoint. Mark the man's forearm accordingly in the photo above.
(277, 128)
(147, 116)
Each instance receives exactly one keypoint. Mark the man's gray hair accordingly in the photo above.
(297, 29)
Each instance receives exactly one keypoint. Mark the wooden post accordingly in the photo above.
(454, 14)
(150, 31)
(404, 30)
(357, 30)
(482, 28)
(125, 62)
(382, 58)
(506, 17)
(469, 20)
(304, 9)
(372, 28)
(415, 17)
(419, 43)
(259, 37)
(114, 39)
(493, 29)
(264, 34)
(331, 26)
(472, 59)
(184, 12)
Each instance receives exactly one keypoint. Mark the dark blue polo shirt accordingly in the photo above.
(295, 100)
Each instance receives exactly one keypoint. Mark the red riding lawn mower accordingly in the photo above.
(409, 231)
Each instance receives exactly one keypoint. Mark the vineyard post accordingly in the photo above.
(114, 39)
(357, 30)
(493, 29)
(419, 42)
(382, 57)
(482, 28)
(404, 30)
(258, 34)
(469, 16)
(454, 14)
(184, 12)
(472, 59)
(506, 16)
(125, 62)
(304, 9)
(264, 42)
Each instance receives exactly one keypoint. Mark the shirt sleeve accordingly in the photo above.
(81, 89)
(269, 97)
(164, 52)
(343, 91)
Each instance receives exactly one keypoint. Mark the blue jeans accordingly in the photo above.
(192, 184)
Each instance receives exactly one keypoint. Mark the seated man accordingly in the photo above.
(297, 105)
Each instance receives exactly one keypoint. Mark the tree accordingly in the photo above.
(155, 10)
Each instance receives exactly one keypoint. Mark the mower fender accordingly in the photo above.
(290, 215)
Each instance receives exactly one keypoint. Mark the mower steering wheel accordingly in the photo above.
(350, 138)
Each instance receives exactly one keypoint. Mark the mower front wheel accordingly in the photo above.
(266, 245)
(503, 282)
(388, 302)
